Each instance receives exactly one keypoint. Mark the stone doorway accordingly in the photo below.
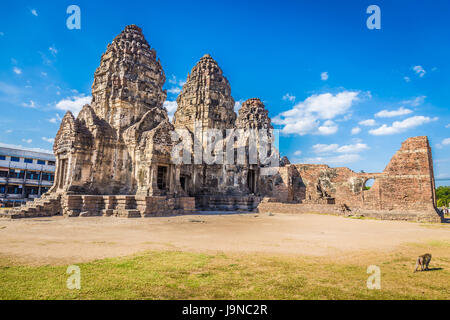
(251, 180)
(162, 178)
(62, 172)
(183, 182)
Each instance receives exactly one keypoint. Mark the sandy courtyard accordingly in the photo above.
(70, 240)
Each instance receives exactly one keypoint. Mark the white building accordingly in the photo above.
(24, 175)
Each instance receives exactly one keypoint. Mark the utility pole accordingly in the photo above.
(24, 181)
(7, 179)
(40, 181)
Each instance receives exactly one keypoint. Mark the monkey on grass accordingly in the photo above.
(423, 261)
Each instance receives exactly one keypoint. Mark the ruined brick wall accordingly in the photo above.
(406, 186)
(408, 180)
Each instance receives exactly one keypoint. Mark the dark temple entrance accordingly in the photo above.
(251, 181)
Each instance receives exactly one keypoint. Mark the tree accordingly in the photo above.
(443, 196)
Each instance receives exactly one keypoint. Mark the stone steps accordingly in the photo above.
(227, 203)
(46, 206)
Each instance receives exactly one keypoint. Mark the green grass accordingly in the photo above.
(181, 275)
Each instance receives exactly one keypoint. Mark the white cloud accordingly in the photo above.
(53, 50)
(446, 141)
(328, 127)
(331, 148)
(394, 113)
(173, 79)
(415, 102)
(73, 104)
(368, 123)
(448, 125)
(17, 70)
(353, 148)
(356, 130)
(314, 115)
(297, 153)
(419, 70)
(178, 85)
(345, 154)
(31, 104)
(325, 148)
(238, 105)
(34, 12)
(49, 140)
(334, 160)
(9, 131)
(407, 79)
(401, 126)
(13, 146)
(324, 76)
(171, 107)
(27, 140)
(289, 97)
(55, 119)
(175, 90)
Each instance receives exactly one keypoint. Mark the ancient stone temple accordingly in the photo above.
(120, 155)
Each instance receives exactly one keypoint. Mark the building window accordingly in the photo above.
(32, 175)
(41, 162)
(51, 163)
(14, 190)
(2, 189)
(2, 157)
(31, 190)
(28, 160)
(15, 159)
(16, 174)
(3, 174)
(47, 176)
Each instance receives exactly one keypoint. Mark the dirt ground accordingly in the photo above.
(61, 240)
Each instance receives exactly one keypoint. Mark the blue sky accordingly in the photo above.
(340, 93)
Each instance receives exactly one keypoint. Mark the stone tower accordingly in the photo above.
(253, 115)
(129, 80)
(117, 144)
(206, 97)
(205, 103)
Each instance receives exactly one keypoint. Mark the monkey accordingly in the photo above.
(423, 261)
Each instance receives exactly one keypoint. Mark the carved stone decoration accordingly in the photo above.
(253, 115)
(206, 97)
(128, 83)
(110, 138)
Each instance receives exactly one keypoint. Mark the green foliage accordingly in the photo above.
(443, 196)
